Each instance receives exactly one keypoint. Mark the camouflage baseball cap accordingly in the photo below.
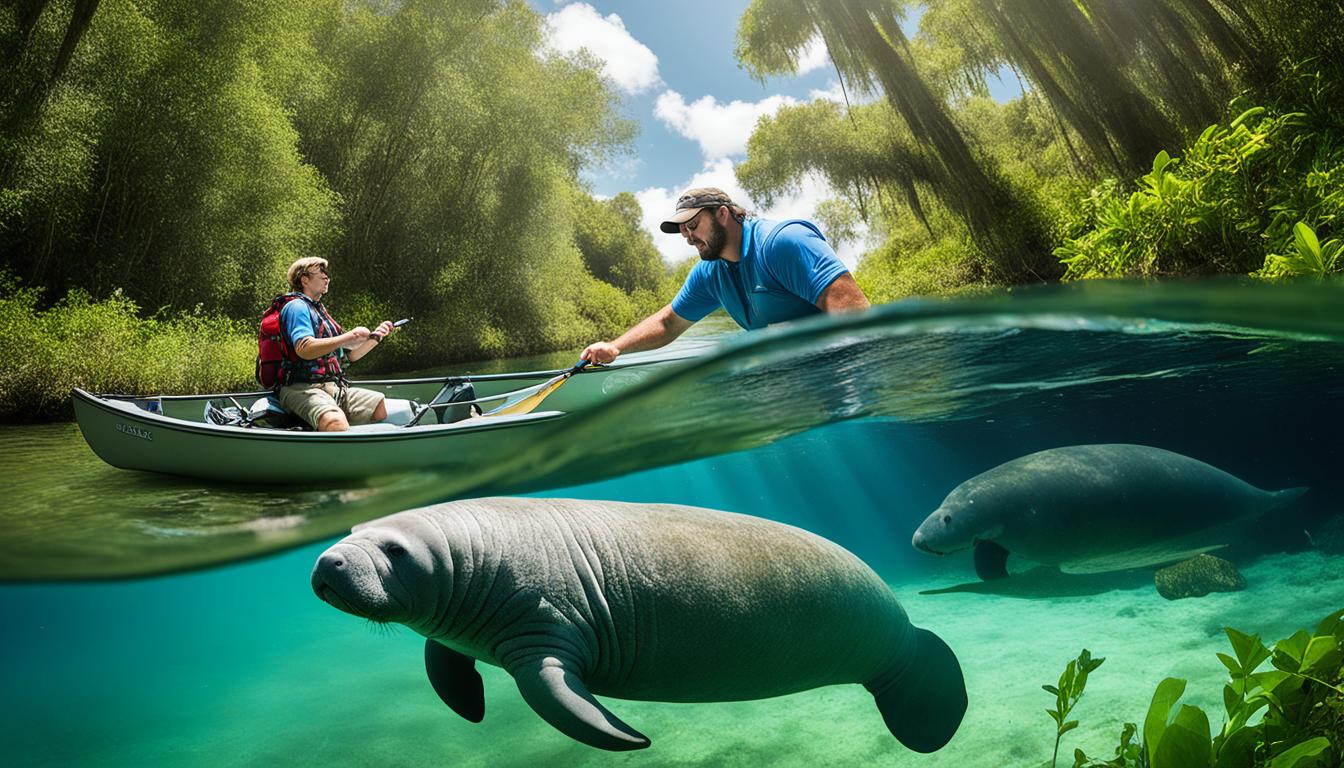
(690, 203)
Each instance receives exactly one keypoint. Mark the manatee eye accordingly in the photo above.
(394, 549)
(947, 519)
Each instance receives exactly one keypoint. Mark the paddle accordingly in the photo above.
(529, 403)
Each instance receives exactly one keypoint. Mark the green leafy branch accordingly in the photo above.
(1310, 257)
(1300, 695)
(1070, 688)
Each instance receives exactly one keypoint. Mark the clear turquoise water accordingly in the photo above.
(853, 429)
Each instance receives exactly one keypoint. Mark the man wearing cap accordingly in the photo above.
(761, 272)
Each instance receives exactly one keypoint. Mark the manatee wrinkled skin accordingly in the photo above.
(1095, 508)
(639, 601)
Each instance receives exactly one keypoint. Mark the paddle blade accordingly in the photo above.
(530, 402)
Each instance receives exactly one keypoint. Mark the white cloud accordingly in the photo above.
(658, 202)
(721, 130)
(814, 56)
(834, 92)
(628, 63)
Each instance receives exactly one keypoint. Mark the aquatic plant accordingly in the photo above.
(1072, 681)
(1311, 257)
(1302, 723)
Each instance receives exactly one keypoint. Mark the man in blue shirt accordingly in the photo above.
(761, 272)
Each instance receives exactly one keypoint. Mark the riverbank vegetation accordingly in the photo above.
(1152, 138)
(109, 346)
(164, 161)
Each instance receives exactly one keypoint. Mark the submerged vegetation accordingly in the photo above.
(1067, 692)
(1290, 715)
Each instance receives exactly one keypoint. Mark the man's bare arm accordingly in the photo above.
(654, 331)
(375, 336)
(842, 295)
(311, 348)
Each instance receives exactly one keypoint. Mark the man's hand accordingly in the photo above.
(652, 332)
(355, 337)
(382, 330)
(601, 353)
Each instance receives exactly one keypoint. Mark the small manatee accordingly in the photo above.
(1095, 508)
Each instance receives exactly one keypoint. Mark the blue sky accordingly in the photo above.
(694, 105)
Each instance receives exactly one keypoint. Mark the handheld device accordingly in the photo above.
(398, 324)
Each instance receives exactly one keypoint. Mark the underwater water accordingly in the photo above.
(853, 428)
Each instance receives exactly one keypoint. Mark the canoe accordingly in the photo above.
(171, 434)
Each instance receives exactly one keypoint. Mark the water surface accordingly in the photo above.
(854, 428)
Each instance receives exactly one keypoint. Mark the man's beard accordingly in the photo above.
(718, 237)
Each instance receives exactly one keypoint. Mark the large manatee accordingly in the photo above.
(1094, 508)
(639, 601)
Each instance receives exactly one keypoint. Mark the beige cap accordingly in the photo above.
(690, 203)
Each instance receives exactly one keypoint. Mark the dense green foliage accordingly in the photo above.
(617, 250)
(1236, 194)
(869, 48)
(177, 156)
(455, 151)
(106, 346)
(1290, 715)
(1233, 104)
(868, 155)
(162, 163)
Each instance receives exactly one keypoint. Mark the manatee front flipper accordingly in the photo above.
(556, 693)
(456, 680)
(922, 703)
(991, 560)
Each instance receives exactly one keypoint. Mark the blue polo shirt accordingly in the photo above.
(785, 267)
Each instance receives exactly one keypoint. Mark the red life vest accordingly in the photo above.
(278, 363)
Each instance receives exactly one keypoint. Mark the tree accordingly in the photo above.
(1129, 76)
(162, 162)
(615, 248)
(455, 148)
(869, 48)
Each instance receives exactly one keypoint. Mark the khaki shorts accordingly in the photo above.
(309, 401)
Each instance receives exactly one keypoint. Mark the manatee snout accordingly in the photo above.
(940, 534)
(329, 569)
(345, 578)
(920, 542)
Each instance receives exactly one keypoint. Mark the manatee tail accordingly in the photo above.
(923, 703)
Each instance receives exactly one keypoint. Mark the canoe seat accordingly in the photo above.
(381, 426)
